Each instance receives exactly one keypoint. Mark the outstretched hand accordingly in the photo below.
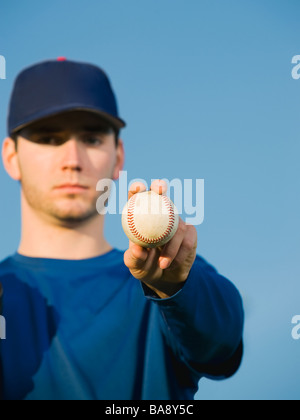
(164, 269)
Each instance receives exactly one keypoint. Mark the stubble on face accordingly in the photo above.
(63, 210)
(60, 207)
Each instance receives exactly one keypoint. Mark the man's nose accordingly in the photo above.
(72, 155)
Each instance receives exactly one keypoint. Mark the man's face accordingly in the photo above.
(61, 160)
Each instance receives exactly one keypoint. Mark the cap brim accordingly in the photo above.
(115, 122)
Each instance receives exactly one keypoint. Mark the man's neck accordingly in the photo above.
(45, 240)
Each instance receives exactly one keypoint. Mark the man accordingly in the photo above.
(84, 320)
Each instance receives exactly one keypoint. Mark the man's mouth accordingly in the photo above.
(71, 188)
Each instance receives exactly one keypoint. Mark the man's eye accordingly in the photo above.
(92, 141)
(50, 141)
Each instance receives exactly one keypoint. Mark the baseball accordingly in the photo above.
(149, 219)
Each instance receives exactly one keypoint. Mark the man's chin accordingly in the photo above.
(73, 217)
(73, 220)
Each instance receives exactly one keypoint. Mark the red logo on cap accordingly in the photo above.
(61, 59)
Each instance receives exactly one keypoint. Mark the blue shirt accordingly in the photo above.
(88, 330)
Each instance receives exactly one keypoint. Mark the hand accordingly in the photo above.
(164, 269)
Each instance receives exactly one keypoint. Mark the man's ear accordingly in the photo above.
(10, 159)
(120, 160)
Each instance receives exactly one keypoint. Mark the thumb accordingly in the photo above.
(135, 257)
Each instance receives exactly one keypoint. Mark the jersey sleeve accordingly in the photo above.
(203, 322)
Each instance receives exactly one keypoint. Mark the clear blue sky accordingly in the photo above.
(206, 89)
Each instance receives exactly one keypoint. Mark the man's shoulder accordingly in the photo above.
(8, 269)
(6, 265)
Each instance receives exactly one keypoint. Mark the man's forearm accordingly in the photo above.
(205, 318)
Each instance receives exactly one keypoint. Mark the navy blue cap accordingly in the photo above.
(56, 86)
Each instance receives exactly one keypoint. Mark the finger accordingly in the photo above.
(151, 265)
(135, 257)
(188, 247)
(135, 188)
(141, 267)
(172, 248)
(159, 186)
(138, 255)
(138, 251)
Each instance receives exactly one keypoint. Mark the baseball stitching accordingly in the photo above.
(133, 228)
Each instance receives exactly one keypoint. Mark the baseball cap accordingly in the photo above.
(56, 86)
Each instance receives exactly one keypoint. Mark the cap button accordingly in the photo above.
(61, 59)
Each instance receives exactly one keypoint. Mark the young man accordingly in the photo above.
(83, 320)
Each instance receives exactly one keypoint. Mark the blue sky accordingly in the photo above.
(206, 89)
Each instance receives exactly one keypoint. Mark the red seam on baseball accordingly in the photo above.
(133, 228)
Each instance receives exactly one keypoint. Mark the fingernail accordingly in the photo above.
(164, 263)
